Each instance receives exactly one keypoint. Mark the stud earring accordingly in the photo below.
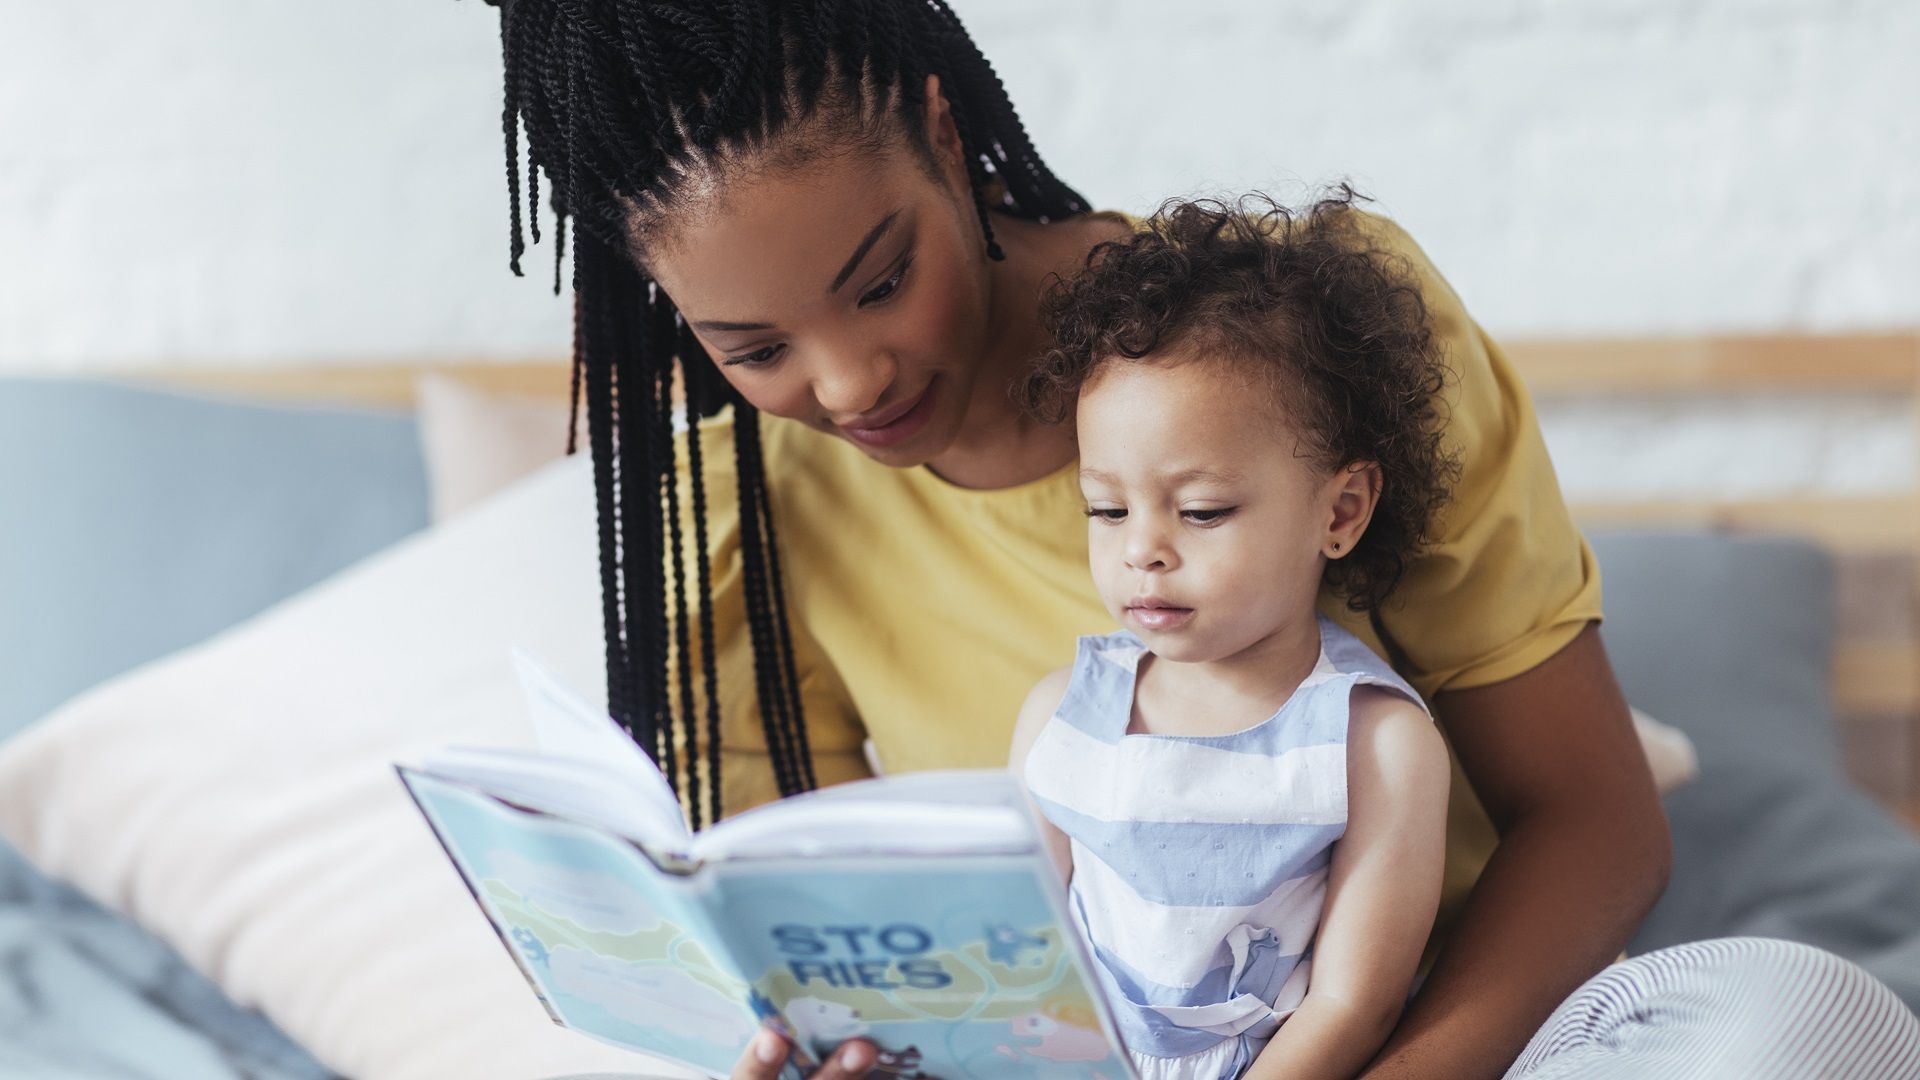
(1336, 545)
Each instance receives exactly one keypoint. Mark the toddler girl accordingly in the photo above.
(1248, 803)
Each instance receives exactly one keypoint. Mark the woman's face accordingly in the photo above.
(850, 293)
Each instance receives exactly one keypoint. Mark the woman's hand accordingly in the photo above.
(768, 1051)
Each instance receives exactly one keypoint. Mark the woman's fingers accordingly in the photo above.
(767, 1051)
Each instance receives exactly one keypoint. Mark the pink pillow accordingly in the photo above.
(477, 442)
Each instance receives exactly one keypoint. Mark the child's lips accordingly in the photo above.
(1158, 614)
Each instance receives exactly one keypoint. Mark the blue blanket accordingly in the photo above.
(86, 995)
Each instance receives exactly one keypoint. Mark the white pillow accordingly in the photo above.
(1670, 753)
(238, 799)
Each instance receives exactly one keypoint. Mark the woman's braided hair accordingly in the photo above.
(625, 104)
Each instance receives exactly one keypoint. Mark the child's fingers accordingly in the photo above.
(767, 1053)
(762, 1058)
(850, 1062)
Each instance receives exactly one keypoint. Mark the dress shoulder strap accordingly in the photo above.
(1343, 654)
(1099, 696)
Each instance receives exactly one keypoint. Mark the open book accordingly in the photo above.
(918, 911)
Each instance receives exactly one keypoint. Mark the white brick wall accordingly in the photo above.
(240, 181)
(1613, 166)
(243, 182)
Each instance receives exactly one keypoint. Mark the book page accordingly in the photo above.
(567, 727)
(956, 966)
(564, 787)
(949, 812)
(612, 947)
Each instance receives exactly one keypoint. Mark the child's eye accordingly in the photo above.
(1208, 517)
(884, 291)
(1107, 513)
(756, 358)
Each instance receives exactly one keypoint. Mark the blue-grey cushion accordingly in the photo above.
(1728, 639)
(133, 523)
(139, 521)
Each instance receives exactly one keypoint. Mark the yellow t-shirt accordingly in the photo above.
(923, 613)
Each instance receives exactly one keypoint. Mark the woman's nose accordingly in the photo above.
(848, 389)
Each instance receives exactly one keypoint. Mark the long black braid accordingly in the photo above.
(621, 103)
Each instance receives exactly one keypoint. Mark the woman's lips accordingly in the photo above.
(897, 430)
(1153, 615)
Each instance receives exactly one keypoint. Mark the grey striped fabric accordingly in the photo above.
(1743, 1008)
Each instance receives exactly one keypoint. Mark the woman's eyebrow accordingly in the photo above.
(866, 245)
(720, 325)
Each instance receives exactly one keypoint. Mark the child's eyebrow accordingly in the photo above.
(1184, 476)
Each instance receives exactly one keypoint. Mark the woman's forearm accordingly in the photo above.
(1584, 853)
(1558, 901)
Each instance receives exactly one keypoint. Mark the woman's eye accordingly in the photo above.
(1207, 517)
(884, 291)
(756, 358)
(1107, 513)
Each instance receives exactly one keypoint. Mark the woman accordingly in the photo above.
(829, 212)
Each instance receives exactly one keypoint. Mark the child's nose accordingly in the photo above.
(1148, 549)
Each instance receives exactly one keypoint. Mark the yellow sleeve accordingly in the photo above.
(1510, 580)
(834, 733)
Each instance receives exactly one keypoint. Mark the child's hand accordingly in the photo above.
(767, 1052)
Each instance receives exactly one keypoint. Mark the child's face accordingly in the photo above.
(1208, 526)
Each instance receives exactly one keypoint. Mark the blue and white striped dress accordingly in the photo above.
(1200, 862)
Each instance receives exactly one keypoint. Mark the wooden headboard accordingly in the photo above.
(1874, 539)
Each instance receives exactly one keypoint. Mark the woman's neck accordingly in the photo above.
(1000, 445)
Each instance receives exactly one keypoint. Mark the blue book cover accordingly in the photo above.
(921, 912)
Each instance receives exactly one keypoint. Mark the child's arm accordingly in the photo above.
(1040, 705)
(1383, 888)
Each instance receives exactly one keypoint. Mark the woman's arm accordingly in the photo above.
(1383, 888)
(1584, 853)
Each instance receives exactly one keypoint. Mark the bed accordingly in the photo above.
(1779, 634)
(1796, 671)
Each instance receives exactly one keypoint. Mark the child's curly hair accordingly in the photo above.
(1300, 295)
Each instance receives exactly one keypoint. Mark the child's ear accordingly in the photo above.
(1352, 493)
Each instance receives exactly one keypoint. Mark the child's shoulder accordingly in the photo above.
(1041, 704)
(1376, 703)
(1393, 746)
(1097, 658)
(1049, 691)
